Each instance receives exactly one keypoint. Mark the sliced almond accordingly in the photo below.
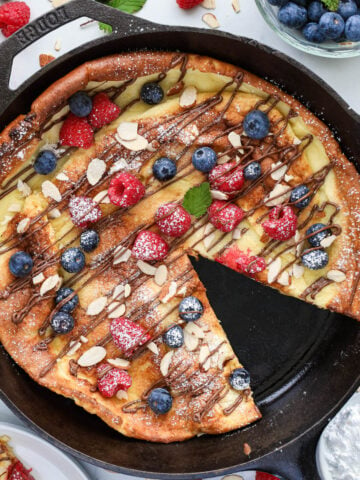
(95, 170)
(299, 246)
(190, 341)
(14, 207)
(83, 339)
(62, 177)
(236, 5)
(38, 278)
(49, 284)
(23, 188)
(236, 234)
(117, 309)
(336, 276)
(217, 195)
(122, 395)
(127, 131)
(127, 290)
(288, 178)
(96, 306)
(209, 4)
(54, 213)
(284, 278)
(50, 190)
(327, 241)
(298, 270)
(92, 356)
(74, 348)
(278, 171)
(281, 192)
(223, 159)
(165, 362)
(235, 139)
(274, 270)
(23, 225)
(102, 197)
(140, 143)
(121, 256)
(119, 165)
(119, 363)
(194, 329)
(188, 97)
(210, 20)
(57, 45)
(161, 275)
(153, 348)
(118, 290)
(203, 353)
(146, 268)
(171, 292)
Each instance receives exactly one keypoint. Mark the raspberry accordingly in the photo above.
(227, 177)
(17, 471)
(127, 335)
(281, 224)
(83, 211)
(173, 219)
(125, 190)
(76, 132)
(224, 216)
(149, 246)
(112, 381)
(13, 16)
(250, 264)
(265, 476)
(188, 3)
(103, 112)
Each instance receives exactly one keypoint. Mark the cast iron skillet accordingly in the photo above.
(304, 361)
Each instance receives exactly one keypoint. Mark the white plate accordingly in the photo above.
(46, 461)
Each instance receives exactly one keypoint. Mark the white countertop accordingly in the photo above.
(342, 74)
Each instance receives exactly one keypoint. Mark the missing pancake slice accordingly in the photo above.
(163, 155)
(11, 467)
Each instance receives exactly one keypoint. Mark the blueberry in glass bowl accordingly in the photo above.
(327, 28)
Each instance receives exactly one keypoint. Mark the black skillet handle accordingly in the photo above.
(51, 21)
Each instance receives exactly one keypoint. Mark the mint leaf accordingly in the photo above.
(332, 5)
(127, 6)
(197, 200)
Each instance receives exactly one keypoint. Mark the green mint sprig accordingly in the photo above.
(127, 6)
(197, 200)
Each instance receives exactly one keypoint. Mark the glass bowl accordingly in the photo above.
(295, 38)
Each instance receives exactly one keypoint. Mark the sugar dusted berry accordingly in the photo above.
(110, 381)
(250, 264)
(72, 260)
(256, 124)
(300, 196)
(151, 93)
(20, 264)
(281, 224)
(89, 240)
(127, 335)
(239, 379)
(315, 259)
(174, 337)
(316, 233)
(80, 104)
(76, 132)
(84, 211)
(252, 171)
(227, 177)
(191, 309)
(62, 323)
(173, 220)
(160, 401)
(149, 246)
(125, 190)
(225, 216)
(62, 294)
(103, 112)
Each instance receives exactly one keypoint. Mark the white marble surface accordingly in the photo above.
(342, 74)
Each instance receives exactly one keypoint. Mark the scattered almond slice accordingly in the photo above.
(96, 306)
(336, 276)
(118, 290)
(209, 4)
(161, 275)
(23, 225)
(38, 278)
(209, 235)
(57, 45)
(122, 256)
(191, 342)
(203, 353)
(217, 195)
(210, 20)
(146, 268)
(122, 395)
(95, 170)
(23, 188)
(236, 5)
(119, 165)
(6, 220)
(298, 270)
(274, 270)
(284, 278)
(223, 159)
(74, 348)
(117, 309)
(102, 197)
(92, 356)
(140, 143)
(327, 241)
(288, 178)
(171, 292)
(278, 172)
(127, 131)
(153, 348)
(62, 177)
(127, 290)
(119, 363)
(188, 97)
(165, 362)
(83, 339)
(281, 192)
(49, 284)
(236, 234)
(50, 190)
(14, 208)
(194, 329)
(235, 139)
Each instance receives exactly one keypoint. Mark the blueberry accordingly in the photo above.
(315, 10)
(278, 3)
(300, 192)
(164, 169)
(89, 240)
(204, 159)
(252, 171)
(239, 379)
(174, 337)
(352, 28)
(315, 259)
(292, 15)
(20, 264)
(313, 33)
(316, 238)
(80, 104)
(72, 260)
(62, 323)
(160, 401)
(256, 124)
(151, 93)
(45, 162)
(347, 9)
(190, 309)
(332, 25)
(63, 293)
